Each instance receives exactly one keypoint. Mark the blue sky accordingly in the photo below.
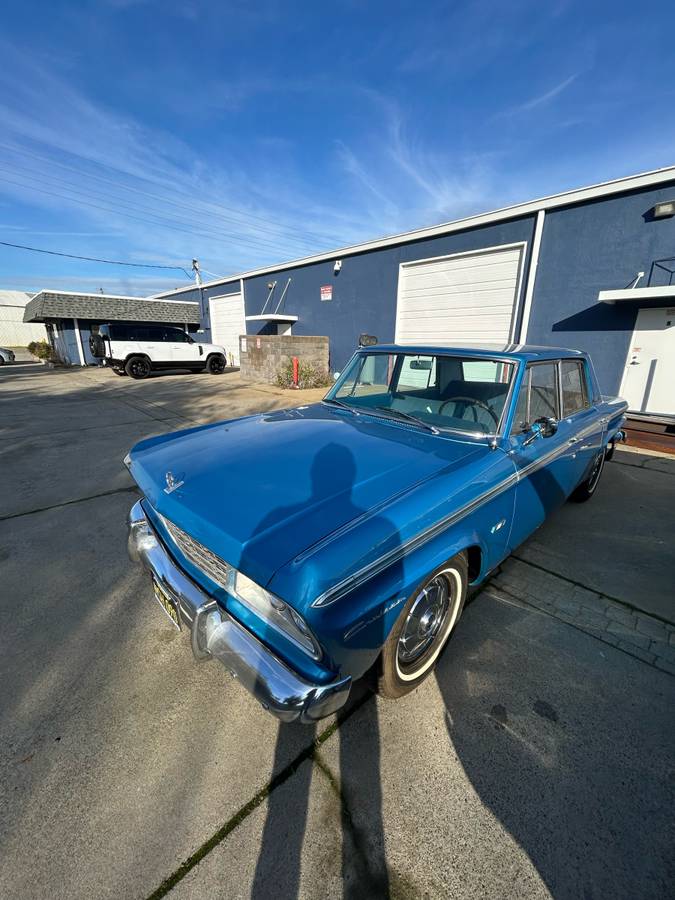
(250, 133)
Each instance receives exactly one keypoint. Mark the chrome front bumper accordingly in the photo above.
(216, 635)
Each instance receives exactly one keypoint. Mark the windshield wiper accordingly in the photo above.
(409, 418)
(341, 405)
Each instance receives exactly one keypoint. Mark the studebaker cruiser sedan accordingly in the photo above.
(307, 547)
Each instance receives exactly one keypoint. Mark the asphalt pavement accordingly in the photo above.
(536, 762)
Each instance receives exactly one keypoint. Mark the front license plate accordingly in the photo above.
(166, 603)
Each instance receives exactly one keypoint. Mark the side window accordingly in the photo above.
(538, 396)
(573, 385)
(119, 332)
(177, 336)
(543, 391)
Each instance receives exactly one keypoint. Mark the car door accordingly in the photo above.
(581, 419)
(181, 347)
(544, 459)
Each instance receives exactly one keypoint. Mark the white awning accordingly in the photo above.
(272, 317)
(665, 294)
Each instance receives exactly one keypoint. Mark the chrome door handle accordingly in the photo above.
(573, 440)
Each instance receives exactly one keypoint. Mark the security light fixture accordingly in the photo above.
(337, 265)
(664, 210)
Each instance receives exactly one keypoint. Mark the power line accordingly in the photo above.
(110, 262)
(268, 221)
(256, 241)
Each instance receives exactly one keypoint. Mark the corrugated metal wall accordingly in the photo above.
(14, 332)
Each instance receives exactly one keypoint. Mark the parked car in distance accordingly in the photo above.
(138, 349)
(6, 356)
(307, 547)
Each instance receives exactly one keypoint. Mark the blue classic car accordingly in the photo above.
(307, 547)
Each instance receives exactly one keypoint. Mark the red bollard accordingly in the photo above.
(295, 371)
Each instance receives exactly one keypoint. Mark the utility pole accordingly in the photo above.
(198, 282)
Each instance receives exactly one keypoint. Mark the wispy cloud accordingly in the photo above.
(540, 99)
(63, 153)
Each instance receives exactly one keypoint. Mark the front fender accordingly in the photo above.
(354, 628)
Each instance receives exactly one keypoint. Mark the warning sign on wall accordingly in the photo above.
(326, 291)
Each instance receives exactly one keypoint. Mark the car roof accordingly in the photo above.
(524, 352)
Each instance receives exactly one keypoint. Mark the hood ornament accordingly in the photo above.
(172, 483)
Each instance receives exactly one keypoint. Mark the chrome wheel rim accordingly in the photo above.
(424, 622)
(594, 477)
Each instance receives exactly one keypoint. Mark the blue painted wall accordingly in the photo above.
(599, 245)
(594, 246)
(364, 292)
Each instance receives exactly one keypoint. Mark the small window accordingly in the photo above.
(177, 335)
(537, 398)
(484, 370)
(417, 372)
(574, 394)
(521, 420)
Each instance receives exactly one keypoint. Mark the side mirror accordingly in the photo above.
(548, 426)
(543, 427)
(336, 375)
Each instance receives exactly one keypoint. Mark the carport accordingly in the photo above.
(72, 317)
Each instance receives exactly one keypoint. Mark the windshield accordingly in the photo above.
(441, 391)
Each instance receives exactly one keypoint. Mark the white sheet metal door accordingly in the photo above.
(649, 380)
(466, 298)
(227, 323)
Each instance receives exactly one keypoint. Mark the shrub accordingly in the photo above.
(309, 376)
(41, 349)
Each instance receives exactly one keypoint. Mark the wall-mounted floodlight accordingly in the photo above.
(337, 265)
(664, 210)
(367, 340)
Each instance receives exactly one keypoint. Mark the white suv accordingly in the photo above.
(138, 349)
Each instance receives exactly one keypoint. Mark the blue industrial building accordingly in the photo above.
(589, 269)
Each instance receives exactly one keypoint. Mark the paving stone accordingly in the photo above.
(644, 655)
(620, 614)
(592, 620)
(665, 665)
(625, 634)
(571, 607)
(664, 651)
(655, 629)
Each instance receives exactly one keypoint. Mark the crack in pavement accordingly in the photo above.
(309, 753)
(132, 489)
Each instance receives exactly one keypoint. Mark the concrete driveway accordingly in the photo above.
(537, 762)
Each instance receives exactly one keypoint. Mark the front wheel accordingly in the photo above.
(422, 629)
(215, 365)
(587, 488)
(137, 367)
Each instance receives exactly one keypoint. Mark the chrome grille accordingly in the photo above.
(212, 566)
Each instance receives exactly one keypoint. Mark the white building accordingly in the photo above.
(14, 332)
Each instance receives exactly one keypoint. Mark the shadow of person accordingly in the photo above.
(567, 760)
(333, 476)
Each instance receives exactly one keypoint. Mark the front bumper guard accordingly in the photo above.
(216, 635)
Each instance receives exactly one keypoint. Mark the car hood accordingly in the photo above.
(258, 491)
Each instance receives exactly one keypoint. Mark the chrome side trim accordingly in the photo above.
(370, 570)
(374, 568)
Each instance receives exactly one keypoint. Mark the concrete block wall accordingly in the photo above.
(263, 356)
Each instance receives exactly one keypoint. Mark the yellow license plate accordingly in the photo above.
(166, 603)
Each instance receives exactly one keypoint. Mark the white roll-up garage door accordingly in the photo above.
(227, 323)
(465, 298)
